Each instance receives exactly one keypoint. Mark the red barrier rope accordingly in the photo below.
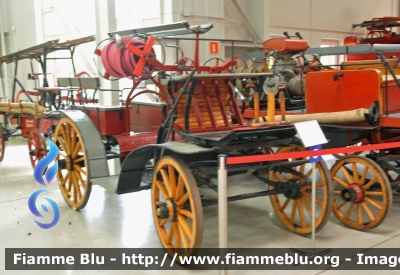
(303, 154)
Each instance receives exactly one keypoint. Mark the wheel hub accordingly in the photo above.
(293, 193)
(35, 152)
(354, 193)
(69, 163)
(167, 210)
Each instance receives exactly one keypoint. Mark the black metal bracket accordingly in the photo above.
(336, 76)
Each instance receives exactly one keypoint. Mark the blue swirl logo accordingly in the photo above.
(44, 162)
(35, 211)
(44, 177)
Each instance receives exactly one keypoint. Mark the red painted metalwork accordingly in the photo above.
(359, 192)
(310, 153)
(27, 124)
(208, 103)
(386, 121)
(149, 92)
(378, 137)
(379, 32)
(128, 143)
(145, 117)
(235, 107)
(391, 98)
(352, 89)
(220, 103)
(380, 27)
(36, 146)
(138, 55)
(45, 125)
(127, 104)
(197, 112)
(285, 45)
(109, 121)
(21, 93)
(142, 53)
(119, 62)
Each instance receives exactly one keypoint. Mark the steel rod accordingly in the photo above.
(222, 206)
(313, 206)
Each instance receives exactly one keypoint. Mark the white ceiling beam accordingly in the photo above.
(73, 32)
(126, 11)
(246, 20)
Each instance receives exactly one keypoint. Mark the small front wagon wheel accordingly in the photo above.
(73, 175)
(293, 208)
(37, 147)
(177, 207)
(363, 194)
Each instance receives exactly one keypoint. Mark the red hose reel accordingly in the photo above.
(129, 59)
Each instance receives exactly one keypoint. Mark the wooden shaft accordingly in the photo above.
(265, 65)
(282, 104)
(256, 107)
(271, 107)
(263, 124)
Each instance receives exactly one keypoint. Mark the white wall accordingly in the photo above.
(20, 20)
(314, 19)
(319, 19)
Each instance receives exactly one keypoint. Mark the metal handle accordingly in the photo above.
(336, 76)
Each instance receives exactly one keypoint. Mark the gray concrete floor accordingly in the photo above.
(125, 221)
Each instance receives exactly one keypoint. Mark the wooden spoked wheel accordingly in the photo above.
(72, 170)
(2, 144)
(362, 192)
(177, 207)
(37, 146)
(293, 208)
(342, 155)
(268, 150)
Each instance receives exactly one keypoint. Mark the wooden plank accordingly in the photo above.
(194, 125)
(204, 118)
(204, 109)
(225, 101)
(214, 106)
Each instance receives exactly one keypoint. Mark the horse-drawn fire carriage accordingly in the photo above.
(177, 141)
(355, 102)
(26, 113)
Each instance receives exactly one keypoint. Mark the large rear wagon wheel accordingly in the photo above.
(72, 172)
(294, 208)
(2, 144)
(177, 207)
(37, 147)
(362, 192)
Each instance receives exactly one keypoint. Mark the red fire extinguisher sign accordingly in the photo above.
(214, 47)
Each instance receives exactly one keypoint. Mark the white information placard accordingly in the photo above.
(310, 133)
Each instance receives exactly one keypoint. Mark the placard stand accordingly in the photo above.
(312, 137)
(222, 208)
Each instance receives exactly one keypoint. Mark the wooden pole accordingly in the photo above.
(271, 107)
(256, 107)
(282, 104)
